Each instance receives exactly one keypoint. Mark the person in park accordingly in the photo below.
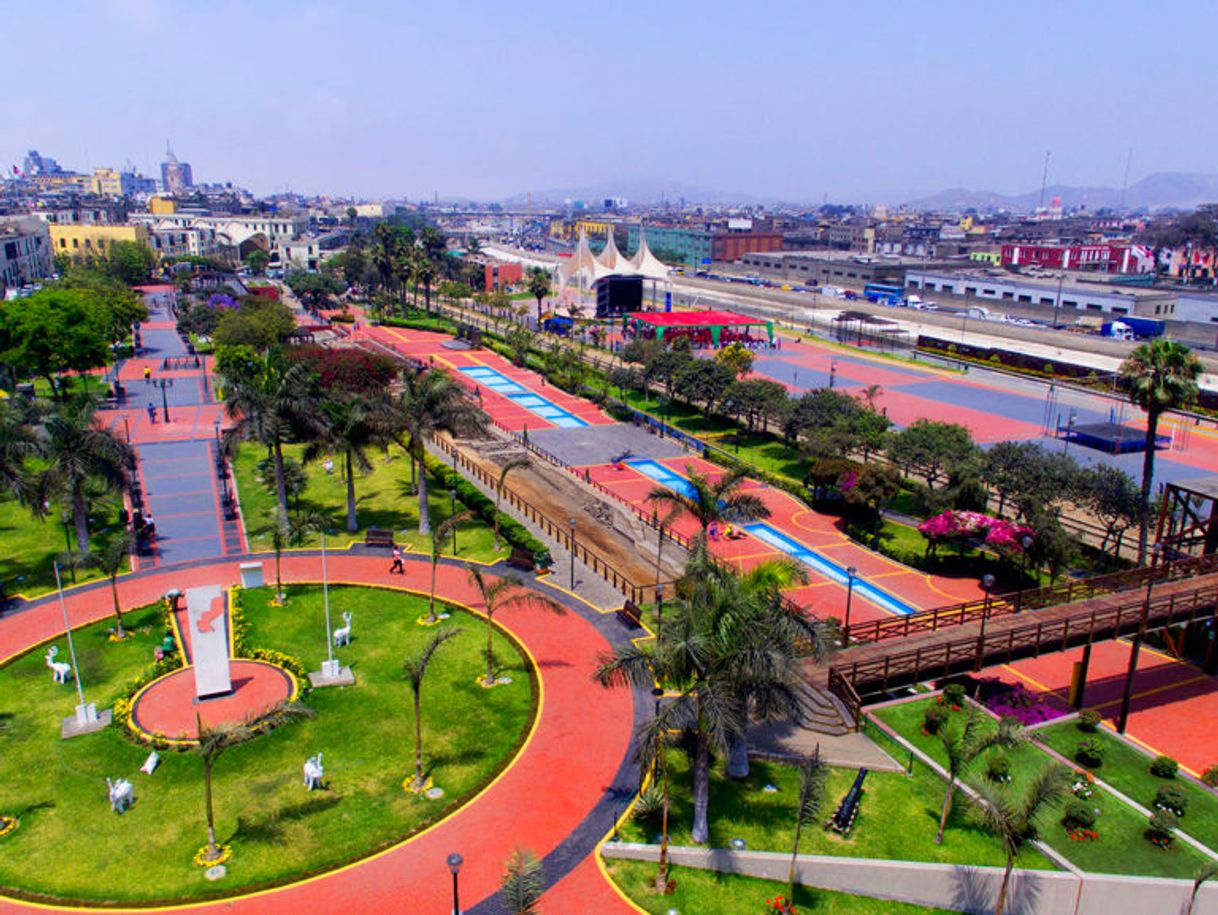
(397, 562)
(151, 414)
(147, 375)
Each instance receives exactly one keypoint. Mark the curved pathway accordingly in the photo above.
(558, 798)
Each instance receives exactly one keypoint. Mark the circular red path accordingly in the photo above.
(167, 708)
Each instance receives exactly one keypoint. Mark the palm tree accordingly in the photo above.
(438, 536)
(712, 503)
(522, 885)
(1160, 375)
(870, 394)
(662, 525)
(111, 560)
(1014, 818)
(214, 741)
(651, 741)
(505, 593)
(812, 778)
(1206, 872)
(515, 463)
(385, 250)
(538, 285)
(431, 401)
(355, 424)
(78, 450)
(963, 747)
(416, 669)
(18, 443)
(281, 536)
(268, 403)
(727, 647)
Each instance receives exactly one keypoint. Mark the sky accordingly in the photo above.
(799, 101)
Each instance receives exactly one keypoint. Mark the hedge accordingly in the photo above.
(474, 499)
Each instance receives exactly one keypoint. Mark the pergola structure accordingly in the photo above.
(1188, 518)
(715, 327)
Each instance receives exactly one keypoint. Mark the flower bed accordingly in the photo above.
(1014, 700)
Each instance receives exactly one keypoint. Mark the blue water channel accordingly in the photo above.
(523, 397)
(664, 476)
(828, 568)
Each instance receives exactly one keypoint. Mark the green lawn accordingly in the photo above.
(72, 384)
(71, 846)
(700, 892)
(898, 817)
(381, 502)
(1128, 771)
(32, 546)
(1122, 847)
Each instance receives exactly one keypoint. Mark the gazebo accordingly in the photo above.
(717, 328)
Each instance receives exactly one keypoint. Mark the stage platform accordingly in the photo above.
(1112, 438)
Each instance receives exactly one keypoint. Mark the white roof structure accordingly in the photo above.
(646, 263)
(582, 266)
(611, 259)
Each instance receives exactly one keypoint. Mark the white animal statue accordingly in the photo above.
(313, 772)
(342, 636)
(150, 764)
(122, 795)
(60, 671)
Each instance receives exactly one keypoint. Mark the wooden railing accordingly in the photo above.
(841, 687)
(1108, 618)
(1015, 602)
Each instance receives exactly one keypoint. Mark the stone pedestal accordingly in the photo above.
(251, 575)
(87, 720)
(332, 673)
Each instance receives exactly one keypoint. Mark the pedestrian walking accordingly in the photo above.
(147, 375)
(151, 414)
(397, 562)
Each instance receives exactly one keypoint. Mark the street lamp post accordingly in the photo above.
(833, 373)
(851, 572)
(1026, 542)
(452, 494)
(572, 523)
(987, 585)
(164, 383)
(331, 667)
(659, 608)
(454, 862)
(86, 712)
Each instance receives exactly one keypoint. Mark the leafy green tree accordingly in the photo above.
(258, 323)
(130, 262)
(704, 381)
(707, 502)
(353, 425)
(666, 367)
(112, 560)
(506, 592)
(963, 746)
(934, 449)
(737, 358)
(125, 306)
(214, 741)
(1014, 818)
(1160, 376)
(522, 886)
(415, 667)
(756, 399)
(19, 444)
(429, 402)
(77, 452)
(817, 409)
(55, 331)
(520, 340)
(269, 404)
(1113, 497)
(257, 260)
(537, 282)
(313, 289)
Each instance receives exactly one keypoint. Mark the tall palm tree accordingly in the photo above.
(505, 593)
(354, 424)
(438, 536)
(416, 669)
(214, 742)
(538, 285)
(111, 560)
(268, 403)
(431, 401)
(1014, 818)
(1206, 872)
(712, 503)
(79, 451)
(812, 778)
(515, 463)
(522, 885)
(18, 443)
(727, 647)
(281, 536)
(652, 738)
(963, 747)
(386, 248)
(1160, 375)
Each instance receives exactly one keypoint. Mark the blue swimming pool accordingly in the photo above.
(522, 396)
(664, 476)
(828, 568)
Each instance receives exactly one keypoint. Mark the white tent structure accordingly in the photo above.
(646, 263)
(611, 258)
(581, 267)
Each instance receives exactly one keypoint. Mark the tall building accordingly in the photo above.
(25, 251)
(109, 182)
(35, 164)
(175, 175)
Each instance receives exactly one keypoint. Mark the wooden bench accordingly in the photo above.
(631, 615)
(377, 536)
(521, 559)
(848, 809)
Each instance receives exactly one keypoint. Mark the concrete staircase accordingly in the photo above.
(823, 712)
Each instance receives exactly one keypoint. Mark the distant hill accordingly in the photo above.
(640, 190)
(1158, 191)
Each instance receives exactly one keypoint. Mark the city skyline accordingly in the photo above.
(878, 105)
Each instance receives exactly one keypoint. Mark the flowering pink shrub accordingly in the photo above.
(960, 525)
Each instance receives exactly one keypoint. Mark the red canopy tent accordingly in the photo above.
(690, 323)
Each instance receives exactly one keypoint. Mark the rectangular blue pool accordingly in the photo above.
(522, 396)
(828, 568)
(664, 476)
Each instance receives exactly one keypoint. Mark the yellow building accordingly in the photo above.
(162, 206)
(63, 182)
(79, 240)
(593, 228)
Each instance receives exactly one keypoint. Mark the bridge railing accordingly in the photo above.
(1003, 604)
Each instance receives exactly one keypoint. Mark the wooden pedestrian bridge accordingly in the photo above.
(899, 651)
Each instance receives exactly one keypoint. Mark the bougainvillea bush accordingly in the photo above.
(959, 526)
(1014, 700)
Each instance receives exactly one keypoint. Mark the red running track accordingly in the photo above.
(580, 739)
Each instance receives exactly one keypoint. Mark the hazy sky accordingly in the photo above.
(860, 101)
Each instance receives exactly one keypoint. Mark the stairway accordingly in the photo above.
(822, 712)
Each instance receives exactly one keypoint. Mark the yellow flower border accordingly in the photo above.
(421, 791)
(201, 859)
(8, 824)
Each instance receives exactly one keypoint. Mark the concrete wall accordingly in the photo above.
(956, 887)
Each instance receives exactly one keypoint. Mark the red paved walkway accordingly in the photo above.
(168, 708)
(572, 757)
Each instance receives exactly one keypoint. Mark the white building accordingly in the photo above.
(269, 233)
(25, 251)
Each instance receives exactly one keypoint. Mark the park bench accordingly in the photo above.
(521, 559)
(848, 809)
(378, 536)
(631, 615)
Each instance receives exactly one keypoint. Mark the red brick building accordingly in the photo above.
(501, 274)
(731, 246)
(1100, 258)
